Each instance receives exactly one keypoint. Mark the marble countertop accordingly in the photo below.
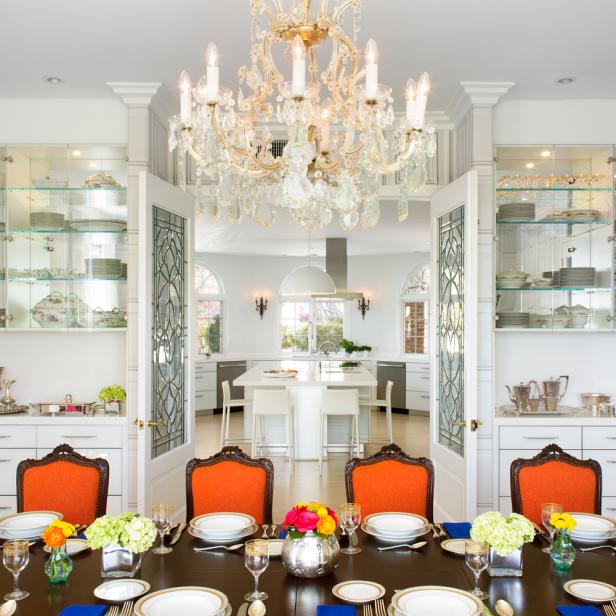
(33, 416)
(564, 415)
(303, 358)
(308, 375)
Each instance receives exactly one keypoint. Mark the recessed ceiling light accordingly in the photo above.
(530, 165)
(565, 81)
(53, 80)
(546, 153)
(76, 152)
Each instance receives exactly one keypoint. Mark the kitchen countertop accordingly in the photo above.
(34, 417)
(307, 377)
(281, 357)
(565, 415)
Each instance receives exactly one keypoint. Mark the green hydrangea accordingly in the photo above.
(128, 530)
(504, 534)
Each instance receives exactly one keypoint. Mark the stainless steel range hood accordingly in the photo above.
(336, 265)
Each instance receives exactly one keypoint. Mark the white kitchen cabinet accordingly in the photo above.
(205, 386)
(418, 385)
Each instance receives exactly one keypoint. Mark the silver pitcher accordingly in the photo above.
(552, 387)
(520, 394)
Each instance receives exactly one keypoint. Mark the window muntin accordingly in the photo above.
(415, 327)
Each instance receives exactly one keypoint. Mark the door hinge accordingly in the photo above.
(475, 425)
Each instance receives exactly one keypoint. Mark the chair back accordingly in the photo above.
(390, 480)
(554, 476)
(230, 481)
(64, 481)
(340, 402)
(226, 393)
(271, 402)
(388, 389)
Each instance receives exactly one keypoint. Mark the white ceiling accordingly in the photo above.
(529, 42)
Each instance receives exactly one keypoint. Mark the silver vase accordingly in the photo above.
(505, 566)
(118, 562)
(310, 556)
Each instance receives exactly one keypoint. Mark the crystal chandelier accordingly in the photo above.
(335, 151)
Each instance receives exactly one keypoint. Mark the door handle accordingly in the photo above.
(153, 424)
(461, 424)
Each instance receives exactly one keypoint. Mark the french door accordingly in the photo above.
(166, 417)
(453, 423)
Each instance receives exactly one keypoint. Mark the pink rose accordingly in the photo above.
(291, 517)
(306, 520)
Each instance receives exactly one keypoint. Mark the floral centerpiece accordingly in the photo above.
(59, 565)
(563, 552)
(505, 536)
(123, 538)
(112, 396)
(311, 548)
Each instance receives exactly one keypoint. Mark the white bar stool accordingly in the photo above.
(341, 402)
(380, 404)
(272, 403)
(227, 404)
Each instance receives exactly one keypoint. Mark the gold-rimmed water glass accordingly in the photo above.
(15, 557)
(162, 518)
(547, 509)
(476, 555)
(350, 517)
(256, 560)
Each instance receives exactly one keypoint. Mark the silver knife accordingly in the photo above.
(243, 609)
(177, 534)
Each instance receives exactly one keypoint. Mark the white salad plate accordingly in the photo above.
(436, 601)
(222, 540)
(455, 546)
(223, 523)
(73, 546)
(184, 600)
(27, 525)
(402, 538)
(117, 591)
(590, 524)
(358, 591)
(274, 547)
(590, 590)
(395, 523)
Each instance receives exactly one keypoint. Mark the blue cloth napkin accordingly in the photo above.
(84, 610)
(578, 610)
(458, 530)
(336, 610)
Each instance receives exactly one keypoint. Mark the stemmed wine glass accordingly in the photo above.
(350, 517)
(161, 516)
(256, 559)
(15, 556)
(476, 554)
(547, 509)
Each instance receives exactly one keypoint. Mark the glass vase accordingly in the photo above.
(563, 552)
(118, 562)
(59, 565)
(310, 556)
(505, 566)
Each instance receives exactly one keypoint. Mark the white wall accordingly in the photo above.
(243, 277)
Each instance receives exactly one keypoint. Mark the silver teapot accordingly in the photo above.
(552, 387)
(520, 394)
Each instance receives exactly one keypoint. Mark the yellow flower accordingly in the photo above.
(301, 504)
(326, 525)
(322, 511)
(66, 528)
(314, 506)
(562, 521)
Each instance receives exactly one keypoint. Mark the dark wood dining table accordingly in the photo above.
(536, 593)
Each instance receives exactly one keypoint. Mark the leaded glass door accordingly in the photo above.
(453, 424)
(166, 413)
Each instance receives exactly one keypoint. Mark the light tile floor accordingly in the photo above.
(411, 433)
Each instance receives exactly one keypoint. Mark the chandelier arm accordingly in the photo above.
(323, 9)
(401, 160)
(271, 74)
(342, 8)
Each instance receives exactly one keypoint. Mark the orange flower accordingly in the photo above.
(326, 525)
(54, 537)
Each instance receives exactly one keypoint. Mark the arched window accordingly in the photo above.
(416, 310)
(209, 294)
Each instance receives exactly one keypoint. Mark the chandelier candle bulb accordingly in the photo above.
(423, 88)
(410, 93)
(212, 73)
(298, 53)
(372, 70)
(185, 98)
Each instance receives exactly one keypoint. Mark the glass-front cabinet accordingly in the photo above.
(63, 224)
(554, 238)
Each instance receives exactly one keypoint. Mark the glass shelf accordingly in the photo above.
(585, 289)
(596, 223)
(66, 231)
(557, 189)
(67, 188)
(63, 278)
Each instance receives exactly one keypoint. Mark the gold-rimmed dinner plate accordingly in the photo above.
(436, 601)
(118, 591)
(454, 546)
(358, 591)
(396, 539)
(591, 590)
(395, 523)
(73, 547)
(27, 525)
(184, 600)
(222, 523)
(251, 530)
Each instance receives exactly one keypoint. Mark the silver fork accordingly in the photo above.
(229, 548)
(127, 608)
(114, 610)
(598, 547)
(368, 609)
(379, 606)
(609, 610)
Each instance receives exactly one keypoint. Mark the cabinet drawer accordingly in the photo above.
(608, 506)
(8, 504)
(205, 400)
(9, 459)
(419, 368)
(537, 437)
(607, 460)
(113, 456)
(17, 436)
(97, 436)
(205, 366)
(205, 381)
(603, 437)
(418, 381)
(417, 400)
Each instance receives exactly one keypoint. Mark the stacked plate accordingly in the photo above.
(553, 276)
(512, 319)
(103, 268)
(516, 212)
(593, 529)
(185, 600)
(579, 277)
(512, 279)
(395, 527)
(99, 224)
(583, 215)
(47, 220)
(223, 527)
(28, 525)
(435, 601)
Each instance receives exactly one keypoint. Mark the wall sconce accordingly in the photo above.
(363, 305)
(261, 305)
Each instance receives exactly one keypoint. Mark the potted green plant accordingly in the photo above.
(112, 396)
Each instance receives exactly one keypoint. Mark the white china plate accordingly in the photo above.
(73, 546)
(588, 524)
(590, 590)
(357, 591)
(274, 547)
(184, 600)
(395, 523)
(117, 591)
(455, 546)
(27, 525)
(406, 538)
(103, 224)
(436, 601)
(223, 523)
(221, 539)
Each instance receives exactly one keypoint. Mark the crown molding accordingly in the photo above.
(135, 92)
(477, 94)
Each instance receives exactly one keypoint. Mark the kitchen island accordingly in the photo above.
(305, 390)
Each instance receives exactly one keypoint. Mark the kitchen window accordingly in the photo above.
(416, 327)
(308, 326)
(209, 294)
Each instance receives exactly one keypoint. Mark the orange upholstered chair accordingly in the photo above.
(230, 481)
(554, 476)
(64, 481)
(391, 481)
